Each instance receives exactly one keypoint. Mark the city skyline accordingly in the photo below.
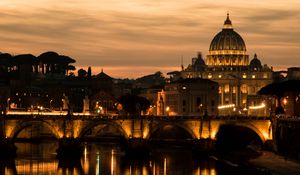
(135, 38)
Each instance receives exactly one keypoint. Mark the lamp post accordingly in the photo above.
(50, 104)
(200, 109)
(8, 100)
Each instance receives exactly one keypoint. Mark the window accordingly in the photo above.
(213, 103)
(244, 89)
(226, 88)
(220, 90)
(183, 102)
(234, 89)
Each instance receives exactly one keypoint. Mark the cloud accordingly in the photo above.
(146, 33)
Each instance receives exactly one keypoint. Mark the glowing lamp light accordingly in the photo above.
(285, 101)
(263, 105)
(226, 106)
(167, 108)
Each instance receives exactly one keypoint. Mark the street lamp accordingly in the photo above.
(284, 101)
(167, 110)
(284, 104)
(200, 109)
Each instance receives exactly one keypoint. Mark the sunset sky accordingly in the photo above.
(136, 37)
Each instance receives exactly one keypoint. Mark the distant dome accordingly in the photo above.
(255, 62)
(199, 60)
(227, 39)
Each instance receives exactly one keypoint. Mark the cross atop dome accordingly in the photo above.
(227, 22)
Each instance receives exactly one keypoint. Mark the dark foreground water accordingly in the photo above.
(40, 159)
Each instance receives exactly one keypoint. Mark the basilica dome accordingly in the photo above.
(227, 39)
(227, 48)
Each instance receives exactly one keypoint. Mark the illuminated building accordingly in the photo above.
(192, 97)
(227, 63)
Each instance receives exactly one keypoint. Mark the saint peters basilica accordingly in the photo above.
(227, 63)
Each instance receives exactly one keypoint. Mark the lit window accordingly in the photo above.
(265, 75)
(244, 76)
(244, 101)
(184, 87)
(220, 76)
(234, 90)
(226, 88)
(209, 76)
(244, 89)
(253, 76)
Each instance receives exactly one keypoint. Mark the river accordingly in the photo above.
(109, 159)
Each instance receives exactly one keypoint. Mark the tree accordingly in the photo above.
(133, 104)
(89, 73)
(82, 73)
(70, 68)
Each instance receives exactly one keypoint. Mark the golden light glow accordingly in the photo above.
(263, 105)
(112, 163)
(284, 101)
(36, 167)
(165, 166)
(167, 108)
(226, 106)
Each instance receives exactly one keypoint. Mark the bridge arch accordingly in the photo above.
(255, 129)
(92, 125)
(23, 125)
(238, 135)
(180, 126)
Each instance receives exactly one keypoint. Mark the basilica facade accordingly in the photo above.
(227, 63)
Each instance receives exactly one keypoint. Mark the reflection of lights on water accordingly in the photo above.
(112, 162)
(98, 164)
(165, 166)
(85, 153)
(85, 160)
(154, 173)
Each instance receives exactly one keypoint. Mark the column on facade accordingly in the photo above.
(237, 95)
(230, 94)
(222, 94)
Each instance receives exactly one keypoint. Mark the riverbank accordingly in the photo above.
(275, 164)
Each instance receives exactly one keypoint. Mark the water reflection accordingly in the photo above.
(109, 160)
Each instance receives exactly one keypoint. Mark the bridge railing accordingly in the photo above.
(287, 117)
(89, 116)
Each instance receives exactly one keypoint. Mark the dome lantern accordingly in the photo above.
(227, 23)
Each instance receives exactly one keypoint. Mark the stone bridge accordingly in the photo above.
(132, 127)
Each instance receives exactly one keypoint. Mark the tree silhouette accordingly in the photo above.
(55, 63)
(133, 104)
(82, 73)
(89, 74)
